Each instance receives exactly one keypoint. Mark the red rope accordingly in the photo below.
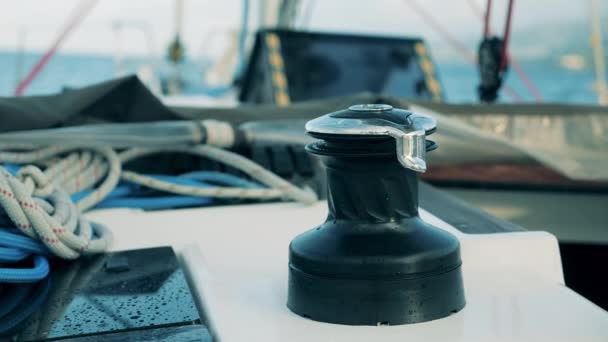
(486, 22)
(464, 50)
(506, 35)
(523, 76)
(76, 18)
(519, 70)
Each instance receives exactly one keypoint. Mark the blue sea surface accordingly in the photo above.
(554, 83)
(458, 78)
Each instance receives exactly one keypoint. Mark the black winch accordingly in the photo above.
(374, 261)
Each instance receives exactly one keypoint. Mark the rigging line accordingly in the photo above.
(458, 45)
(482, 14)
(526, 80)
(486, 22)
(506, 36)
(78, 15)
(517, 67)
(512, 93)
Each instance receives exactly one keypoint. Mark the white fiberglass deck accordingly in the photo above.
(236, 258)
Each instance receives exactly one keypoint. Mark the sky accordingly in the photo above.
(149, 24)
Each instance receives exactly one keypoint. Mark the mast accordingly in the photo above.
(268, 13)
(176, 51)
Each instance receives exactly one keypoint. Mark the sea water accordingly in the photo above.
(459, 79)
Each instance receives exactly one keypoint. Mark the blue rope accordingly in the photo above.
(10, 238)
(26, 275)
(12, 254)
(36, 296)
(131, 195)
(23, 290)
(221, 178)
(11, 168)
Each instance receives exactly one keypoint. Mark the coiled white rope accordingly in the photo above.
(39, 202)
(43, 211)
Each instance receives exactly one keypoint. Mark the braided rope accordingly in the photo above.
(45, 212)
(39, 202)
(278, 186)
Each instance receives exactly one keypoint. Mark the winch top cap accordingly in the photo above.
(357, 119)
(409, 129)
